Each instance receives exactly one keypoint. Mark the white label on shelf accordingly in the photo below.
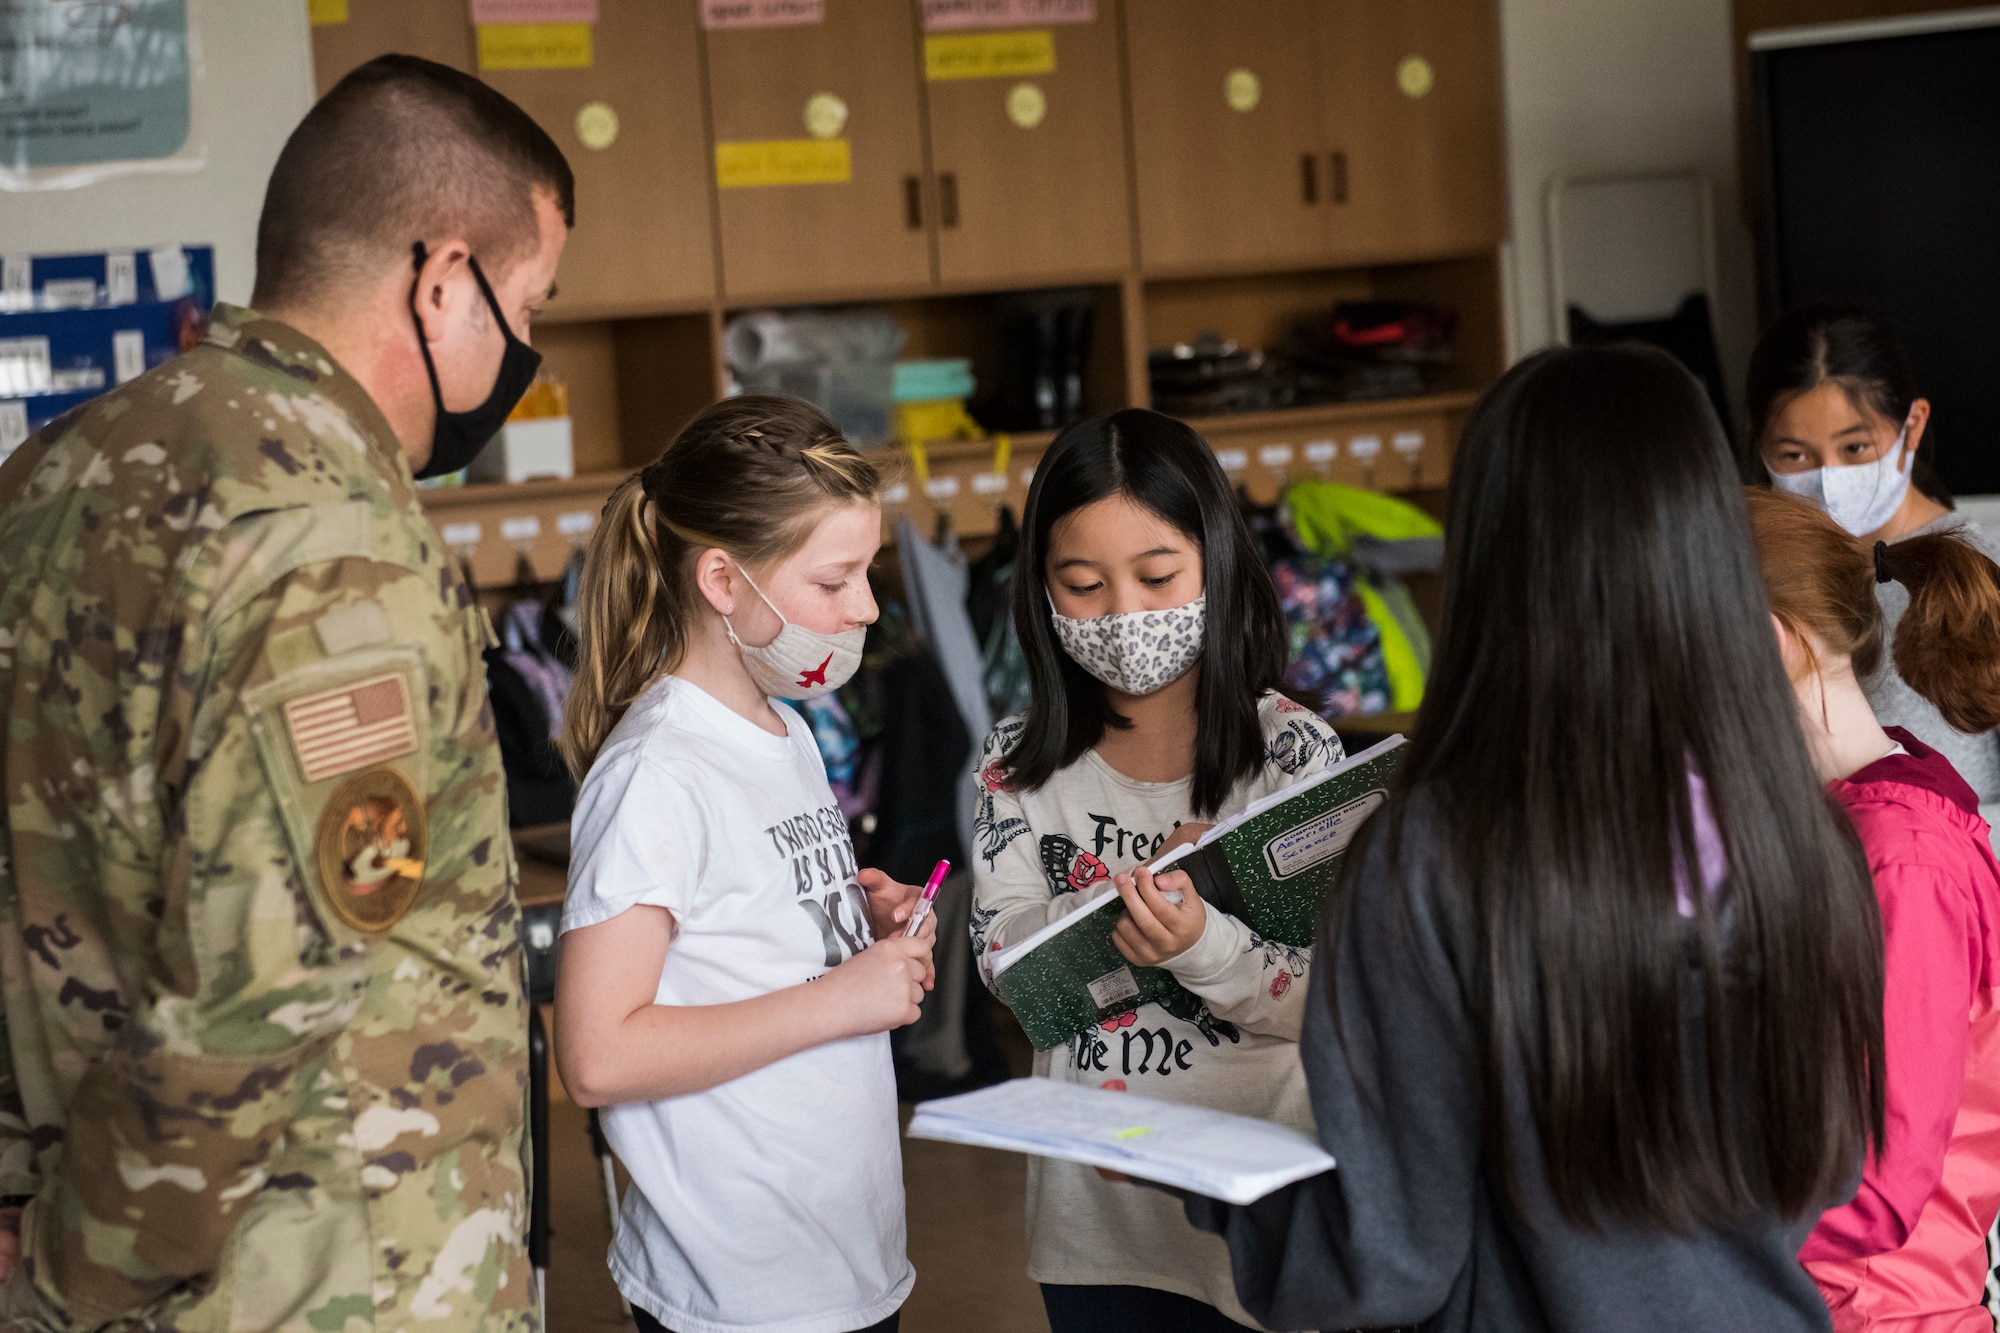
(941, 488)
(1321, 451)
(128, 355)
(24, 367)
(1232, 460)
(69, 294)
(462, 534)
(13, 426)
(897, 494)
(1408, 443)
(121, 278)
(989, 483)
(1365, 447)
(17, 283)
(1275, 455)
(523, 529)
(575, 525)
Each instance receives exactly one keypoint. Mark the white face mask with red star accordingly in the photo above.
(800, 663)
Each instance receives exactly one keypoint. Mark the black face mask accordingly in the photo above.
(459, 436)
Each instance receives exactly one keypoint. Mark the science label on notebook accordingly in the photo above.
(1270, 866)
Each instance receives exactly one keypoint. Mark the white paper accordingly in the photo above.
(128, 355)
(24, 367)
(1234, 1158)
(17, 283)
(13, 426)
(169, 273)
(121, 278)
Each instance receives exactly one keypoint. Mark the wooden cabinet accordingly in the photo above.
(643, 235)
(793, 242)
(1228, 133)
(439, 30)
(1030, 173)
(1413, 137)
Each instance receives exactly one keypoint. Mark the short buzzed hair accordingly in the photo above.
(402, 150)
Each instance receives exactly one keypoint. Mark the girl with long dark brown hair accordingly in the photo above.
(1596, 1029)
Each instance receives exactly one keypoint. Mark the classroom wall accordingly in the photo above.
(254, 82)
(1620, 86)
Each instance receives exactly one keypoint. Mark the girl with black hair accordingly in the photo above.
(1596, 1033)
(1155, 648)
(1835, 417)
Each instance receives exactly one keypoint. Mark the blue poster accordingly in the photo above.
(88, 81)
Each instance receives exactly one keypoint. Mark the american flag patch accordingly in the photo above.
(338, 731)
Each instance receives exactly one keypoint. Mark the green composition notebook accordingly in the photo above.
(1270, 866)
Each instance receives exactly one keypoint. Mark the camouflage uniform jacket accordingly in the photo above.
(265, 1056)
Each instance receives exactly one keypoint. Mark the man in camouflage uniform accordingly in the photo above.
(264, 1062)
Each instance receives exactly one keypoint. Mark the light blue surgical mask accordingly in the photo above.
(1861, 497)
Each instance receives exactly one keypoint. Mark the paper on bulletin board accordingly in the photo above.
(326, 13)
(990, 55)
(943, 14)
(761, 13)
(90, 89)
(534, 11)
(534, 46)
(783, 162)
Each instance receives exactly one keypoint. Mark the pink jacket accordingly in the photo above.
(1909, 1252)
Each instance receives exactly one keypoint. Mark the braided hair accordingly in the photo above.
(751, 476)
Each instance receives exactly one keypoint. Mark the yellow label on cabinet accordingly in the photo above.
(325, 12)
(990, 55)
(783, 162)
(534, 46)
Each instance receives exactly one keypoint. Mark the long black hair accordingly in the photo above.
(1606, 641)
(1164, 466)
(1851, 346)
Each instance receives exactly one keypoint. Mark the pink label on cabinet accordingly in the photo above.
(761, 13)
(942, 14)
(534, 11)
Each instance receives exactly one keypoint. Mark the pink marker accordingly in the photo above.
(938, 872)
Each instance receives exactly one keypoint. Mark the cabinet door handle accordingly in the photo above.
(1338, 161)
(1309, 177)
(948, 199)
(913, 202)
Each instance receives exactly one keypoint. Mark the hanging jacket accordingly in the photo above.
(1382, 537)
(1909, 1252)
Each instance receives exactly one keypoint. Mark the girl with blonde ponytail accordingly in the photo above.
(729, 975)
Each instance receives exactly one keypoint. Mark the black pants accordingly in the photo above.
(648, 1324)
(1130, 1310)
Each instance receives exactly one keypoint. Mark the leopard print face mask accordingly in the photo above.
(1135, 652)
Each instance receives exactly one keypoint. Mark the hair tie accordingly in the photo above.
(1882, 574)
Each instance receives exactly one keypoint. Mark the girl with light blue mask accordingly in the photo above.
(1835, 417)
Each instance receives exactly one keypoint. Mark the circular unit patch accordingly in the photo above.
(1027, 105)
(371, 847)
(1415, 76)
(597, 126)
(826, 115)
(1242, 89)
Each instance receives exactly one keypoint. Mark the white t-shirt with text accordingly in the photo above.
(773, 1203)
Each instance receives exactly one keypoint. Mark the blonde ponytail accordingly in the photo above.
(751, 476)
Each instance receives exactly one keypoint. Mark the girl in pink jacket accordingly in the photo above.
(1909, 1252)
